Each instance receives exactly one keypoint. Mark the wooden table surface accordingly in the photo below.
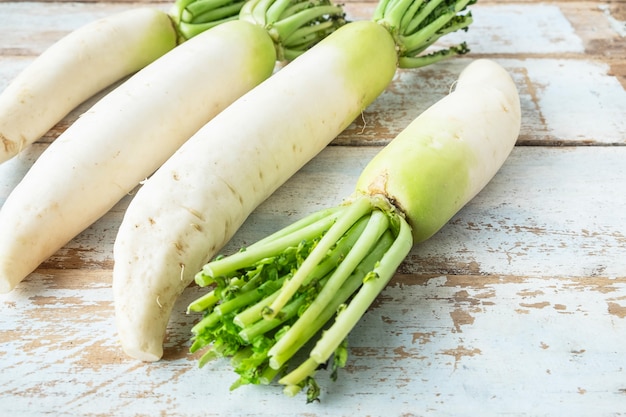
(517, 307)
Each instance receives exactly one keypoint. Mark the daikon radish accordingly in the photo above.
(94, 57)
(196, 201)
(277, 294)
(131, 131)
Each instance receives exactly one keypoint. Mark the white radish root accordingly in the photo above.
(197, 200)
(123, 138)
(75, 68)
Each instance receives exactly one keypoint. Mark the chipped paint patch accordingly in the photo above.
(530, 293)
(570, 90)
(460, 318)
(617, 310)
(459, 352)
(520, 28)
(542, 304)
(619, 26)
(422, 337)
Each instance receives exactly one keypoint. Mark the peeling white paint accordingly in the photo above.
(579, 100)
(618, 25)
(519, 29)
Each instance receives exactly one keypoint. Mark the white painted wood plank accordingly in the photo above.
(407, 358)
(565, 101)
(549, 212)
(486, 333)
(498, 28)
(557, 212)
(555, 91)
(534, 28)
(574, 100)
(28, 28)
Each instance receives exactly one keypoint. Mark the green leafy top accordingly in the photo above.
(294, 25)
(269, 301)
(415, 25)
(192, 17)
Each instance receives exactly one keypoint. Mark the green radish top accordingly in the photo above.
(192, 17)
(296, 25)
(307, 285)
(293, 25)
(439, 162)
(415, 25)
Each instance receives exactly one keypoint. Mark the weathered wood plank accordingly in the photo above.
(549, 212)
(418, 365)
(28, 28)
(560, 206)
(531, 304)
(557, 65)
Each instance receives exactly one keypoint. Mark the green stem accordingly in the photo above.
(294, 8)
(379, 11)
(292, 390)
(366, 295)
(248, 297)
(197, 11)
(395, 12)
(351, 286)
(296, 226)
(254, 313)
(284, 18)
(205, 302)
(422, 17)
(304, 35)
(192, 17)
(376, 226)
(239, 357)
(251, 255)
(338, 229)
(409, 16)
(429, 59)
(207, 357)
(255, 280)
(260, 12)
(303, 371)
(284, 28)
(416, 25)
(426, 36)
(268, 374)
(197, 7)
(276, 10)
(189, 30)
(224, 12)
(263, 326)
(179, 7)
(207, 322)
